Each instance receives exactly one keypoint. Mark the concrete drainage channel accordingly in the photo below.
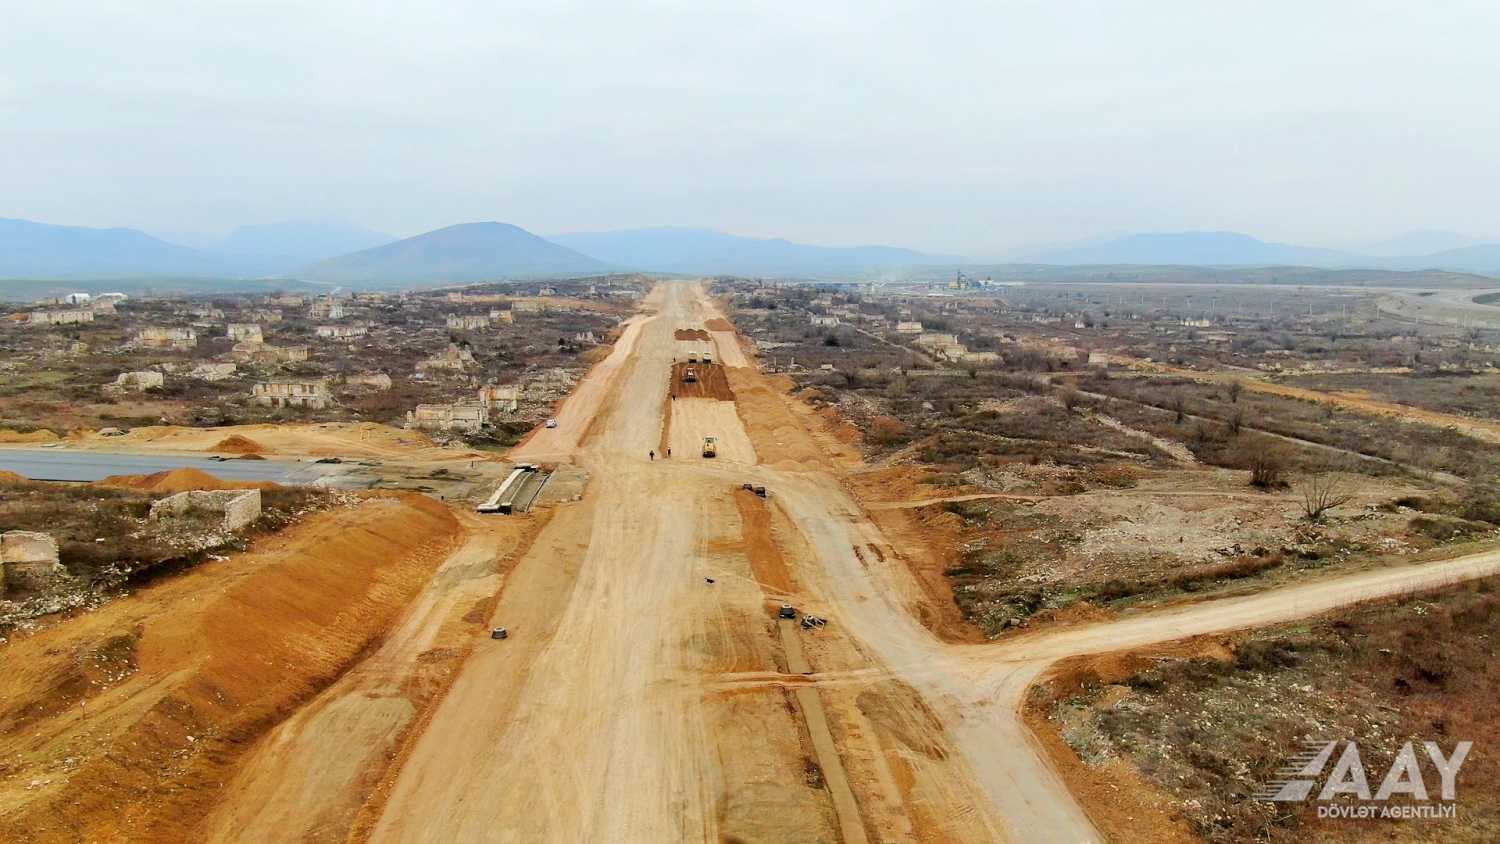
(518, 491)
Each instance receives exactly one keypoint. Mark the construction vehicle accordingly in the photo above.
(689, 376)
(787, 611)
(710, 446)
(499, 633)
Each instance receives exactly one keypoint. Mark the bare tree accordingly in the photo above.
(1069, 398)
(1321, 493)
(1236, 421)
(1179, 407)
(1267, 461)
(1235, 388)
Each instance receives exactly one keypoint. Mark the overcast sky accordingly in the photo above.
(953, 125)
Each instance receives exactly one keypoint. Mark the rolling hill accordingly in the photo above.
(43, 251)
(461, 253)
(1199, 248)
(691, 250)
(1482, 258)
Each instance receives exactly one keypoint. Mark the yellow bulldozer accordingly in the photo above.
(710, 446)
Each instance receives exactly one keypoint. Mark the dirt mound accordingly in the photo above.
(12, 478)
(236, 444)
(39, 436)
(180, 480)
(154, 698)
(709, 382)
(719, 324)
(691, 334)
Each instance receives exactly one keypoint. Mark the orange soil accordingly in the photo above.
(1120, 802)
(902, 483)
(782, 427)
(719, 324)
(150, 701)
(236, 444)
(180, 480)
(926, 540)
(766, 559)
(711, 383)
(691, 334)
(39, 436)
(12, 478)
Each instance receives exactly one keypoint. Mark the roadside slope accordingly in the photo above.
(124, 723)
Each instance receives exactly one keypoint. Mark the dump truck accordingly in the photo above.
(689, 376)
(710, 446)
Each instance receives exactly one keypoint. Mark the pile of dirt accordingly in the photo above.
(719, 324)
(180, 480)
(38, 436)
(125, 723)
(12, 478)
(236, 444)
(776, 429)
(709, 382)
(691, 334)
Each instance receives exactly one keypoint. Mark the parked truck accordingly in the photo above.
(710, 446)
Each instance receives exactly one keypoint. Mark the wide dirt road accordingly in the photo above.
(588, 724)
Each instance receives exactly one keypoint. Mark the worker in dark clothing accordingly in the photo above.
(669, 452)
(652, 453)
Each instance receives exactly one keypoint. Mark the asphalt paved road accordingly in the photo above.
(58, 464)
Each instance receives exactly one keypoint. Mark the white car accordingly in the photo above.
(551, 423)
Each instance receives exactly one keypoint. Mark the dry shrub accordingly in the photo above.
(888, 430)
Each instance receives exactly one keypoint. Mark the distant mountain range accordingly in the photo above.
(40, 250)
(345, 254)
(462, 253)
(1230, 249)
(44, 251)
(1192, 248)
(690, 250)
(287, 247)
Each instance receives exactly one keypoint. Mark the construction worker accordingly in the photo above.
(652, 453)
(669, 452)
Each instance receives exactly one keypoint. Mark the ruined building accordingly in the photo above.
(238, 507)
(28, 560)
(455, 358)
(166, 338)
(67, 317)
(245, 332)
(506, 398)
(292, 393)
(468, 418)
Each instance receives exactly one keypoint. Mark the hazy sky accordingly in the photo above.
(965, 126)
